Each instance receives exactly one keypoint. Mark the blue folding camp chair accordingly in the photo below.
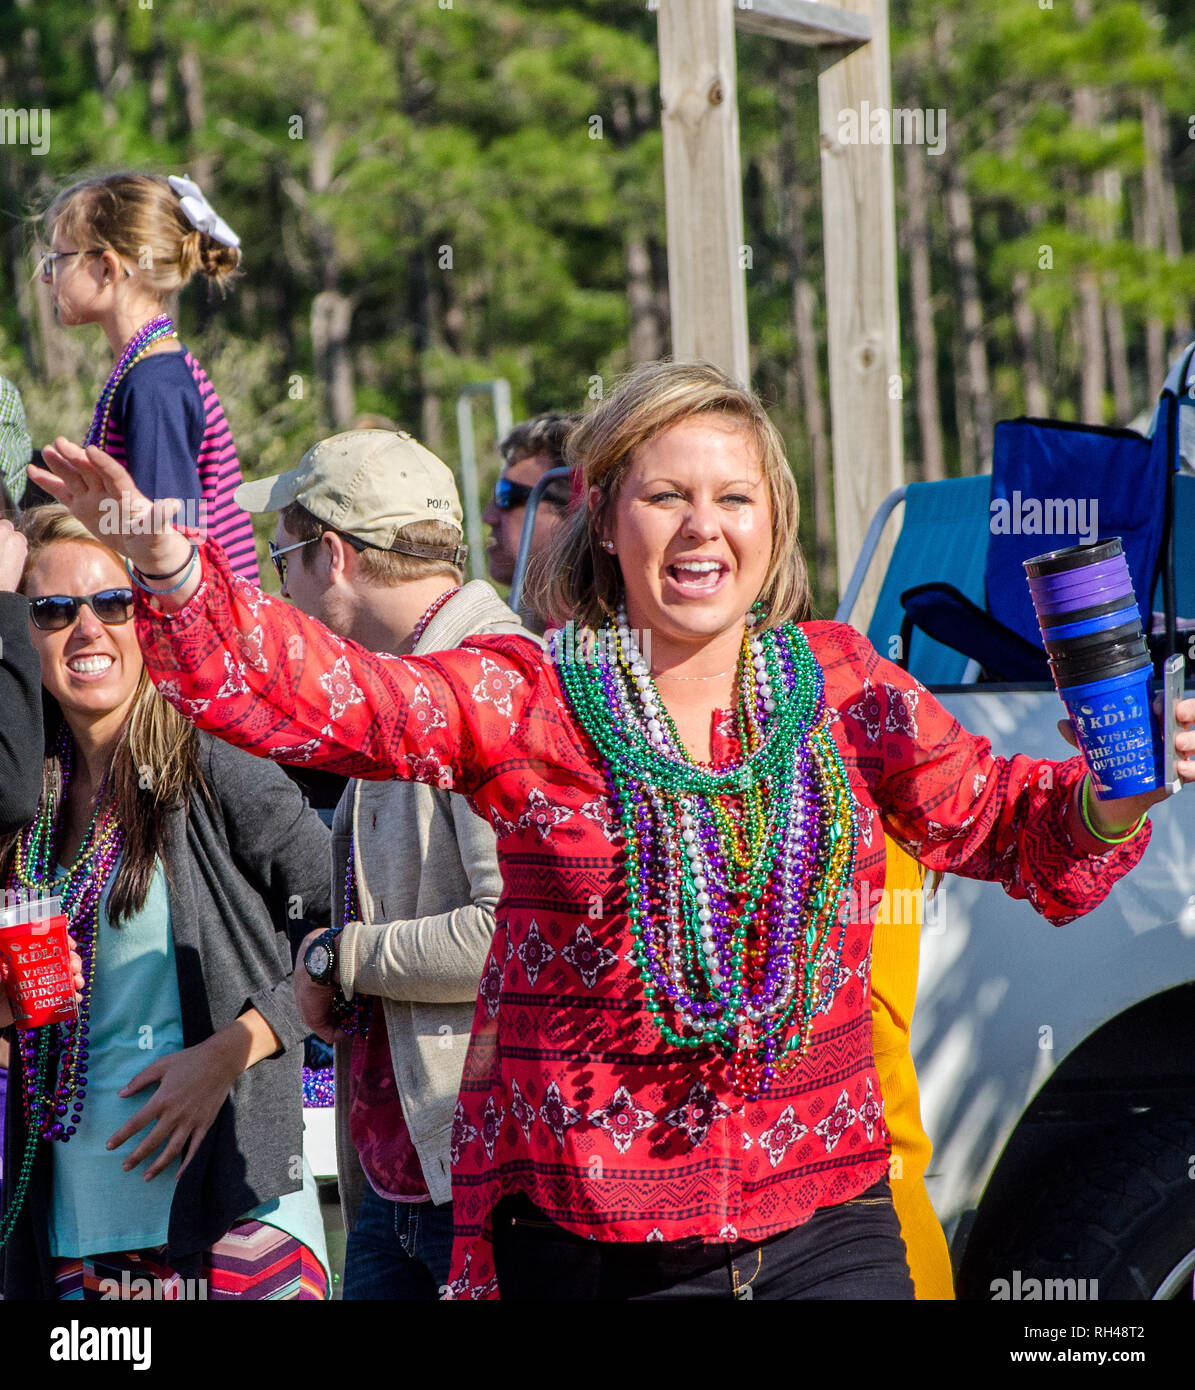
(1053, 485)
(944, 532)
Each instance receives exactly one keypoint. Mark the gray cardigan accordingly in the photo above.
(240, 868)
(428, 883)
(20, 715)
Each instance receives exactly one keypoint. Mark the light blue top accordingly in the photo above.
(135, 1019)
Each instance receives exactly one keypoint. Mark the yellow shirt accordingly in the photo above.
(895, 952)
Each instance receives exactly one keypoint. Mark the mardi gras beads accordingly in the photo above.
(735, 875)
(134, 350)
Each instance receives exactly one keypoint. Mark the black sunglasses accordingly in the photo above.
(53, 612)
(278, 555)
(508, 495)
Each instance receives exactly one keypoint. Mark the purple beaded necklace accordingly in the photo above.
(134, 350)
(56, 1077)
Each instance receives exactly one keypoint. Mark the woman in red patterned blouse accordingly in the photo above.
(601, 1147)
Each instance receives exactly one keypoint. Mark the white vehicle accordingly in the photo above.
(1056, 1065)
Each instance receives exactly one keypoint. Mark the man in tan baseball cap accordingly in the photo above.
(372, 523)
(370, 485)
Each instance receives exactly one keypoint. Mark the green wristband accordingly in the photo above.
(1086, 814)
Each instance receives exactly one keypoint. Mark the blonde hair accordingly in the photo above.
(139, 216)
(576, 578)
(155, 764)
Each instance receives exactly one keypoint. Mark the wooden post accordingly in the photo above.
(703, 184)
(862, 310)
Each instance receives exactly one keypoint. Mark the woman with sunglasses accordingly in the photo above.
(670, 1089)
(164, 1133)
(121, 246)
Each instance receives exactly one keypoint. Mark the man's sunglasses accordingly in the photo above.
(53, 612)
(278, 555)
(508, 495)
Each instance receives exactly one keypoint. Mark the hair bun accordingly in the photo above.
(217, 261)
(190, 254)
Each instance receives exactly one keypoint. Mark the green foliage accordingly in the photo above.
(470, 181)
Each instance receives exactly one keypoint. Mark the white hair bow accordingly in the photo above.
(200, 213)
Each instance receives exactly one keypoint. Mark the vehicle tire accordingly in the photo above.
(1117, 1209)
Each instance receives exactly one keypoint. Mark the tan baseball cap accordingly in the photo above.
(368, 484)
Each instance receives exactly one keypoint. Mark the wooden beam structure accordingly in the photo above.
(703, 184)
(703, 188)
(804, 22)
(862, 307)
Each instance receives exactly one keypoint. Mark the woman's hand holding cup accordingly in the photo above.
(6, 1014)
(1118, 815)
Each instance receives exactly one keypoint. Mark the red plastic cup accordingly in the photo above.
(37, 963)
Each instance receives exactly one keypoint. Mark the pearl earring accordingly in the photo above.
(609, 546)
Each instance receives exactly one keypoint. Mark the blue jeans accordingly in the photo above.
(398, 1250)
(851, 1251)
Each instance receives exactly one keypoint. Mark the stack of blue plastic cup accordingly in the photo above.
(1091, 627)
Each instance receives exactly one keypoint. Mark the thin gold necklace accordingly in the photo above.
(669, 676)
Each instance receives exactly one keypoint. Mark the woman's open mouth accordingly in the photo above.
(698, 578)
(90, 668)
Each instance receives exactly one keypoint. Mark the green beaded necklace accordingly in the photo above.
(735, 876)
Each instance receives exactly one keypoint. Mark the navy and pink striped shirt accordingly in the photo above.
(168, 428)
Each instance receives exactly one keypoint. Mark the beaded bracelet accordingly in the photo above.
(1104, 839)
(175, 588)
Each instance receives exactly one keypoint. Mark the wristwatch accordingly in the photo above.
(320, 958)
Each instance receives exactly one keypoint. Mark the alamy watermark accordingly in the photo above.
(573, 645)
(1045, 516)
(80, 1342)
(138, 1287)
(26, 126)
(117, 518)
(897, 907)
(901, 125)
(1022, 1290)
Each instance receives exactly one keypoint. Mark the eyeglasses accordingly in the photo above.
(54, 612)
(508, 495)
(50, 259)
(277, 552)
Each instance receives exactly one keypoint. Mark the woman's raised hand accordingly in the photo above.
(103, 496)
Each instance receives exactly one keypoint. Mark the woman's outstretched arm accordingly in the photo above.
(261, 675)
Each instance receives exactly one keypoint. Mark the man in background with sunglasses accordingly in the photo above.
(528, 452)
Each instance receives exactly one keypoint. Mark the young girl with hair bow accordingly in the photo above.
(121, 245)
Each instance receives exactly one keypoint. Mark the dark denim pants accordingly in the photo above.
(398, 1250)
(851, 1251)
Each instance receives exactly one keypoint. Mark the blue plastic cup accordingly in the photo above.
(1084, 627)
(1081, 598)
(1078, 577)
(1098, 556)
(1079, 581)
(1119, 732)
(1110, 639)
(1046, 621)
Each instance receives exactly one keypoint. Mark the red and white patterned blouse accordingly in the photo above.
(570, 1094)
